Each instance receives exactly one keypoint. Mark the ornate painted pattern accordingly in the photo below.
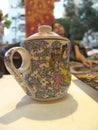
(90, 79)
(49, 76)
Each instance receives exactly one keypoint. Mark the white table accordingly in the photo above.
(77, 111)
(92, 52)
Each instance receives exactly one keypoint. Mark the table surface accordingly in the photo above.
(78, 110)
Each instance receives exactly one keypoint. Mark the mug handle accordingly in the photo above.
(8, 60)
(18, 73)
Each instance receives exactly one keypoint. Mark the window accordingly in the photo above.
(22, 27)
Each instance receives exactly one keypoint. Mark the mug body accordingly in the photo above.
(48, 77)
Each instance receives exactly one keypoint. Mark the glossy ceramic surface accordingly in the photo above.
(45, 71)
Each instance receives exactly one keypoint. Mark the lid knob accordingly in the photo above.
(44, 28)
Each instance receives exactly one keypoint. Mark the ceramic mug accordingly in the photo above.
(45, 72)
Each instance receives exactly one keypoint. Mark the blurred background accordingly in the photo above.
(79, 17)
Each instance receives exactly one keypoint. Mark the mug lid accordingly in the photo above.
(44, 32)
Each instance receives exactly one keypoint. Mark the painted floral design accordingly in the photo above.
(50, 75)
